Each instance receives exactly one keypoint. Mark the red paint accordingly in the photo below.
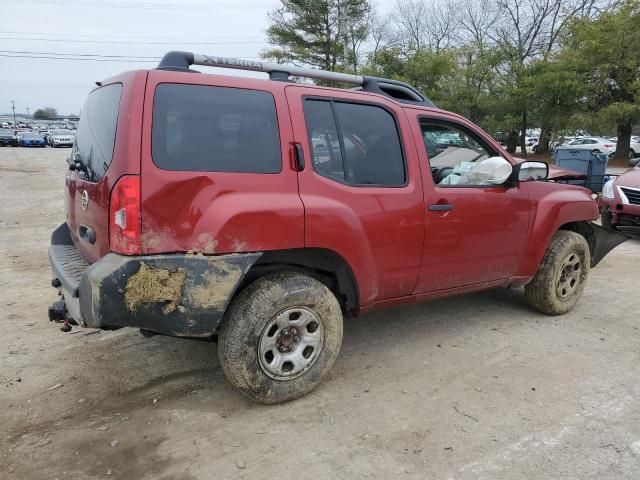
(214, 212)
(398, 250)
(126, 160)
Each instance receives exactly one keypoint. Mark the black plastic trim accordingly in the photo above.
(176, 61)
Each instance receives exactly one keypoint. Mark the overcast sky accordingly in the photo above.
(131, 28)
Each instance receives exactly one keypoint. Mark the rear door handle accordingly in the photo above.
(439, 207)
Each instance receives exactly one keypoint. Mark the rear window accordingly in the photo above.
(96, 133)
(215, 129)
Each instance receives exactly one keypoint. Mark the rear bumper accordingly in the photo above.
(181, 294)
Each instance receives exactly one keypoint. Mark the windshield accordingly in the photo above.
(97, 130)
(61, 132)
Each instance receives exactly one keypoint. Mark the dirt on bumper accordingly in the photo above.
(180, 295)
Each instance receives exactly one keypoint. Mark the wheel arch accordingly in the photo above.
(325, 265)
(585, 229)
(601, 240)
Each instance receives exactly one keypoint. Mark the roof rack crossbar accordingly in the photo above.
(181, 61)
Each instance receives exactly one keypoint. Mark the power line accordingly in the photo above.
(153, 60)
(78, 54)
(126, 42)
(141, 5)
(76, 59)
(74, 34)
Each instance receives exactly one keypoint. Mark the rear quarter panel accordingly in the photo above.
(219, 212)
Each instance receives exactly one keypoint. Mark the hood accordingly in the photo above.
(556, 173)
(630, 178)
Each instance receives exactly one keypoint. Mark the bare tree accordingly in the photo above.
(381, 33)
(476, 19)
(411, 19)
(442, 25)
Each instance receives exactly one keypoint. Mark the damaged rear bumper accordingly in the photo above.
(181, 294)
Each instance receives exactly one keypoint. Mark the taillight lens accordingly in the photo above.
(125, 230)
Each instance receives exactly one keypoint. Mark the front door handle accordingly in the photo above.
(441, 207)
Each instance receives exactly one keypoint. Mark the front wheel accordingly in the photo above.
(562, 275)
(280, 337)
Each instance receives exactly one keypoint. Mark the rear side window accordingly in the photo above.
(215, 129)
(97, 129)
(354, 143)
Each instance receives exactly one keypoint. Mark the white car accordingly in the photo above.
(634, 146)
(60, 138)
(594, 144)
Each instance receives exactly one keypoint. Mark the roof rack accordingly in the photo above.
(400, 91)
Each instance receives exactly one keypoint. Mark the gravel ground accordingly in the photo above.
(473, 387)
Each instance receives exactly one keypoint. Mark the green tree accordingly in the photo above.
(605, 54)
(322, 33)
(46, 113)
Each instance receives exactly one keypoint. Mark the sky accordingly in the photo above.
(138, 31)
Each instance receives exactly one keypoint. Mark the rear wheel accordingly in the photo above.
(562, 275)
(280, 337)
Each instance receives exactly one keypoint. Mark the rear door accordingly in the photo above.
(360, 186)
(217, 174)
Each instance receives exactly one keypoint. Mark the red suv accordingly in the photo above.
(261, 212)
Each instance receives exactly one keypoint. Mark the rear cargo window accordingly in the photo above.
(97, 129)
(215, 129)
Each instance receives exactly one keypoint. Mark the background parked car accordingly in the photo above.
(595, 144)
(620, 201)
(31, 139)
(8, 138)
(60, 138)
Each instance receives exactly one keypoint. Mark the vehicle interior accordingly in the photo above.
(452, 152)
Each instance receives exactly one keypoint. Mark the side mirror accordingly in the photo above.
(633, 162)
(530, 172)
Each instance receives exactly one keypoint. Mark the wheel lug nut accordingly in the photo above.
(293, 331)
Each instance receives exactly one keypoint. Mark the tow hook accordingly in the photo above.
(58, 313)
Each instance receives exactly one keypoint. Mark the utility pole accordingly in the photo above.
(342, 31)
(13, 107)
(27, 112)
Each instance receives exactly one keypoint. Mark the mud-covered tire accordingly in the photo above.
(245, 325)
(546, 292)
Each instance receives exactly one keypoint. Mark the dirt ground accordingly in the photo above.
(473, 387)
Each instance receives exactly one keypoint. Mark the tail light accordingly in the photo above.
(125, 229)
(609, 146)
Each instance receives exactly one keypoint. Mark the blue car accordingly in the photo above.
(31, 139)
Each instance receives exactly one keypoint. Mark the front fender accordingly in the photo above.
(553, 205)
